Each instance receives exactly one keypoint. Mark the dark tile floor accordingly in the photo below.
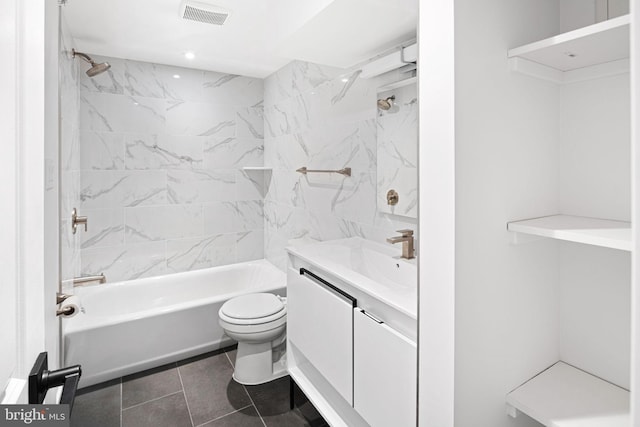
(194, 392)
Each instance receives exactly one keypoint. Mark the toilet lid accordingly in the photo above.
(252, 306)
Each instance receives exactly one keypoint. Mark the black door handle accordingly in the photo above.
(41, 380)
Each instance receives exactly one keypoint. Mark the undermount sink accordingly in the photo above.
(373, 268)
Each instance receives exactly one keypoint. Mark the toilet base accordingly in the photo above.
(254, 364)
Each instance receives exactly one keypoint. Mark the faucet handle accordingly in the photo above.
(405, 233)
(77, 220)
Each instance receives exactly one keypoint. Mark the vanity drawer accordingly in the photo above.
(385, 368)
(320, 325)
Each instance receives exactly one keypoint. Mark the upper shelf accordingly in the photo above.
(564, 396)
(590, 231)
(599, 43)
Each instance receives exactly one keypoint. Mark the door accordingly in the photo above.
(29, 227)
(8, 193)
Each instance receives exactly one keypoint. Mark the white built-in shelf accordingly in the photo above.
(564, 396)
(256, 168)
(590, 231)
(605, 44)
(605, 41)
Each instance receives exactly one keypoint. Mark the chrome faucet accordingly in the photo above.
(407, 243)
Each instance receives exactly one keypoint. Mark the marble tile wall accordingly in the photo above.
(161, 151)
(69, 92)
(322, 118)
(398, 151)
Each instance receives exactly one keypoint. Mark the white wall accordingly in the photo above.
(576, 14)
(635, 255)
(595, 317)
(580, 13)
(595, 180)
(595, 177)
(436, 204)
(506, 169)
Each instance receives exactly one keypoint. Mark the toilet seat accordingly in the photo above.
(253, 309)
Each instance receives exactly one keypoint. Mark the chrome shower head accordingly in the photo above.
(95, 67)
(98, 68)
(386, 104)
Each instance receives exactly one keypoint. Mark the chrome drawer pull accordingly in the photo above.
(372, 317)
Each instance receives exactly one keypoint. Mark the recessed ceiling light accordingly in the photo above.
(176, 76)
(345, 79)
(189, 55)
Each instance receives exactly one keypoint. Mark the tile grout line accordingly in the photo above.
(121, 400)
(229, 359)
(152, 400)
(247, 391)
(254, 405)
(184, 394)
(222, 416)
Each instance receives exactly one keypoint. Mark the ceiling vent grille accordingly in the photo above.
(203, 12)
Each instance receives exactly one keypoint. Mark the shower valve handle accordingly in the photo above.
(77, 220)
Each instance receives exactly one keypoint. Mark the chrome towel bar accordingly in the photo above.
(344, 171)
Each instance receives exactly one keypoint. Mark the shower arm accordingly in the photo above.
(84, 56)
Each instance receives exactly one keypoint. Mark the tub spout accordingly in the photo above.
(77, 281)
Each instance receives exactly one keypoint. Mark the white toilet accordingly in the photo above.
(258, 322)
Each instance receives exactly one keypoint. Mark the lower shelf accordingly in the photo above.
(564, 396)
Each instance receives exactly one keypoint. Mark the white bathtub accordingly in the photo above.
(134, 325)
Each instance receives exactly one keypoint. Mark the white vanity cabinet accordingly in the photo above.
(350, 348)
(384, 372)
